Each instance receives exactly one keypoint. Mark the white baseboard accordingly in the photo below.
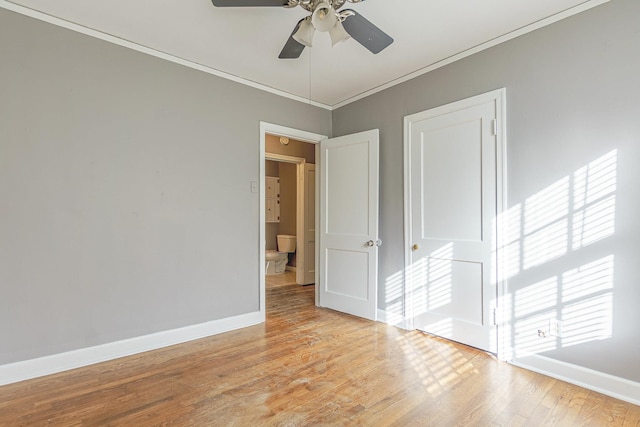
(28, 369)
(600, 382)
(393, 320)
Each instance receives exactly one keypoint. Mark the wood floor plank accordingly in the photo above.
(308, 366)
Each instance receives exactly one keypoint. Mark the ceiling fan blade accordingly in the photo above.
(292, 49)
(365, 33)
(248, 3)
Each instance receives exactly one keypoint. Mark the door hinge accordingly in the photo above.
(494, 127)
(495, 316)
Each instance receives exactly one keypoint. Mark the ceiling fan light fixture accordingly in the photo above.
(305, 33)
(338, 34)
(324, 17)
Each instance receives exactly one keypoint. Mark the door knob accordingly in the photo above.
(370, 243)
(415, 247)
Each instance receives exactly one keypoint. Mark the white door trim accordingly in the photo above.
(300, 166)
(300, 135)
(499, 96)
(282, 158)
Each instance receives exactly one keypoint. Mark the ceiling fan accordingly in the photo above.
(326, 16)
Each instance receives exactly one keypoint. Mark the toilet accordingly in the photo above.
(276, 261)
(286, 243)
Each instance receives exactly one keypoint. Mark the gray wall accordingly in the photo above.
(124, 191)
(573, 91)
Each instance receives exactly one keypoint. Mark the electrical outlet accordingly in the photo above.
(555, 328)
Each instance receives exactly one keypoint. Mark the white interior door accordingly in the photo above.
(453, 197)
(349, 224)
(306, 227)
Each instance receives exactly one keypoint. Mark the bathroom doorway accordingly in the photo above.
(290, 209)
(313, 142)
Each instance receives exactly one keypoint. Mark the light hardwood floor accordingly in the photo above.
(308, 366)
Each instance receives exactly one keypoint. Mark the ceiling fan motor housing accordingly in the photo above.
(312, 5)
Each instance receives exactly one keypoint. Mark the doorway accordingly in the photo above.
(347, 259)
(304, 137)
(290, 204)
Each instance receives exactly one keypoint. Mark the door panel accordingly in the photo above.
(349, 274)
(451, 186)
(453, 206)
(347, 185)
(349, 224)
(306, 265)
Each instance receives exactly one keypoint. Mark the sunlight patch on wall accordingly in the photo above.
(587, 320)
(593, 223)
(527, 341)
(536, 297)
(588, 279)
(534, 305)
(594, 201)
(545, 224)
(575, 305)
(546, 244)
(573, 213)
(587, 297)
(595, 180)
(547, 206)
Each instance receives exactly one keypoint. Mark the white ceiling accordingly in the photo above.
(244, 43)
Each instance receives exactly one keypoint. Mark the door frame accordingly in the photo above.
(499, 97)
(300, 135)
(300, 164)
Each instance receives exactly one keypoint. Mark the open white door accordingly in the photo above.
(348, 258)
(453, 195)
(306, 227)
